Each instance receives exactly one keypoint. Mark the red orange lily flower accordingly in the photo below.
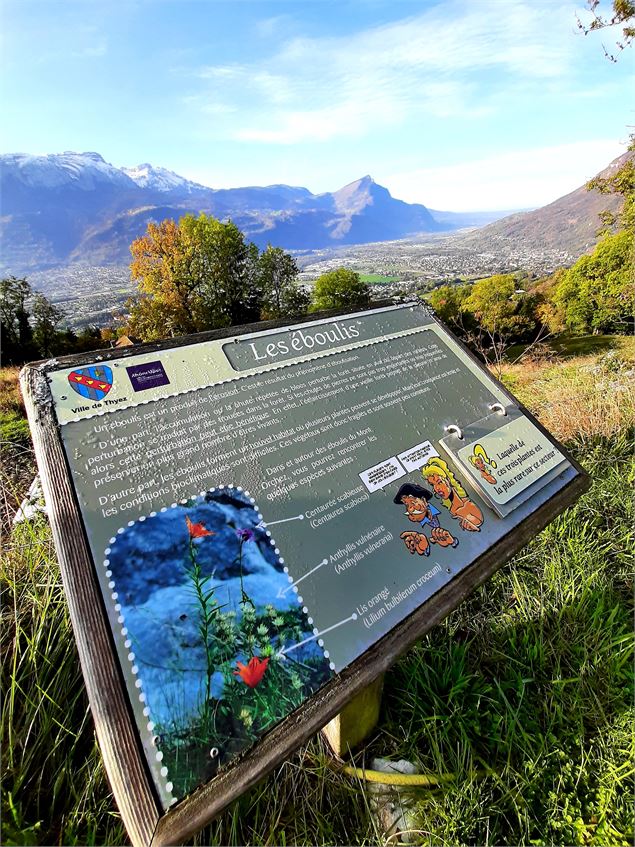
(197, 530)
(253, 671)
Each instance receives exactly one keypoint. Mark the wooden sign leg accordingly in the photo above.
(356, 720)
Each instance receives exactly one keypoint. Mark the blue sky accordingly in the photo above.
(460, 104)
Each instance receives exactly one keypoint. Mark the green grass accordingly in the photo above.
(13, 428)
(378, 279)
(16, 457)
(54, 788)
(531, 677)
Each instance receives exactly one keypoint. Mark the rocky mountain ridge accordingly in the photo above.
(76, 208)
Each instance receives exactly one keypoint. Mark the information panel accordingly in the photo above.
(263, 509)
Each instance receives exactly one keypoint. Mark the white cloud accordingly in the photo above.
(522, 179)
(423, 66)
(343, 119)
(222, 72)
(267, 27)
(94, 51)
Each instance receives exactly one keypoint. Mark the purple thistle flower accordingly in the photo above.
(245, 534)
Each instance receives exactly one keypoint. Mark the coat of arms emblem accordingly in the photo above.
(92, 383)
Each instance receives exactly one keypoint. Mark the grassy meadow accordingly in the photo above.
(531, 677)
(378, 279)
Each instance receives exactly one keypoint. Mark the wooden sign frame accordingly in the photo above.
(132, 786)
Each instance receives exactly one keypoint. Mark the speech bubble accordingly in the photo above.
(380, 475)
(417, 456)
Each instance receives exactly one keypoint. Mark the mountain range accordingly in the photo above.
(76, 208)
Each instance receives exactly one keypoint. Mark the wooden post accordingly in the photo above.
(356, 720)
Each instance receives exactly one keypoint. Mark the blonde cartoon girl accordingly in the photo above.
(450, 491)
(483, 464)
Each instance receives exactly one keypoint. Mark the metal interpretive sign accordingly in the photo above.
(252, 526)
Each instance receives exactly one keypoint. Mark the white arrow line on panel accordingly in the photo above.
(284, 520)
(283, 591)
(283, 652)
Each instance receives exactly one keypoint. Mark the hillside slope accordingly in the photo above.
(569, 224)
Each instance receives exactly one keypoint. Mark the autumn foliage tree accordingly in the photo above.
(202, 273)
(500, 312)
(493, 313)
(168, 288)
(192, 275)
(449, 304)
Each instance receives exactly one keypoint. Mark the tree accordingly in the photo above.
(15, 329)
(497, 306)
(28, 323)
(226, 267)
(196, 274)
(622, 182)
(448, 303)
(340, 289)
(598, 292)
(547, 312)
(494, 303)
(281, 297)
(623, 14)
(46, 317)
(168, 286)
(92, 337)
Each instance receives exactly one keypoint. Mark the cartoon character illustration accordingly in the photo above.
(419, 510)
(483, 463)
(448, 489)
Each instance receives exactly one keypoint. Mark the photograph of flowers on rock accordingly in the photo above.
(220, 648)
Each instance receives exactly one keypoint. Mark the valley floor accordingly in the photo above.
(91, 294)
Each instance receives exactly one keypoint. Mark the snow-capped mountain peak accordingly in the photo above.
(77, 208)
(160, 179)
(85, 171)
(82, 170)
